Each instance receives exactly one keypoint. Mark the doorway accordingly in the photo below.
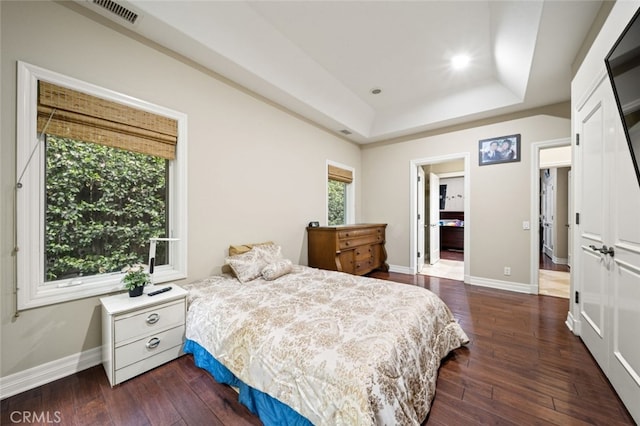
(552, 203)
(428, 254)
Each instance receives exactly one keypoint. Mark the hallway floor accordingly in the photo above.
(450, 265)
(553, 279)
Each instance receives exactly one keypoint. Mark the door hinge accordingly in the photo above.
(419, 255)
(419, 178)
(577, 138)
(577, 218)
(577, 297)
(419, 216)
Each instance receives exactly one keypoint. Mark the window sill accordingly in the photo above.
(94, 286)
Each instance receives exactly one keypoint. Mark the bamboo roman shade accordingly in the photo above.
(88, 118)
(339, 174)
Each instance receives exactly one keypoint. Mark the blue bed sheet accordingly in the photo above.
(270, 411)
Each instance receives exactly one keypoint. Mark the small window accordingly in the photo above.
(337, 203)
(340, 195)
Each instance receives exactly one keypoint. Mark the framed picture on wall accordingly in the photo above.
(503, 149)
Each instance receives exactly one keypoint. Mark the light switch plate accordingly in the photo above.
(526, 225)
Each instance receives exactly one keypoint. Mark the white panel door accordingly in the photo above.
(624, 371)
(548, 210)
(421, 214)
(570, 216)
(593, 270)
(609, 251)
(434, 218)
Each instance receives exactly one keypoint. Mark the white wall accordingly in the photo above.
(249, 163)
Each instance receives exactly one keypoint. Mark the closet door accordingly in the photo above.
(608, 263)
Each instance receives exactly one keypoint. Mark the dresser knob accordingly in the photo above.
(153, 318)
(153, 343)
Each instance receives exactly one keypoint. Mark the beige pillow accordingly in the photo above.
(277, 269)
(243, 248)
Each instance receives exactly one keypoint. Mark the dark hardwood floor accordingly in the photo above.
(547, 263)
(522, 366)
(452, 255)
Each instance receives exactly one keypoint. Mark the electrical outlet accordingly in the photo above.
(507, 270)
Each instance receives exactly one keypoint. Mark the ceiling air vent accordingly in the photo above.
(121, 11)
(345, 132)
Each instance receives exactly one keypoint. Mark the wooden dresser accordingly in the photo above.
(452, 237)
(355, 249)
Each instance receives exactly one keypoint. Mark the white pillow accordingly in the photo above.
(277, 269)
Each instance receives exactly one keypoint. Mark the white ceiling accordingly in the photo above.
(321, 59)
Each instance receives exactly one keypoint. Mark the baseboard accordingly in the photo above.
(503, 285)
(560, 260)
(570, 323)
(401, 269)
(46, 373)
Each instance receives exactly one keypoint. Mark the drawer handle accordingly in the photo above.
(153, 343)
(153, 318)
(346, 243)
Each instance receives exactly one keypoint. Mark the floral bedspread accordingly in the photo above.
(337, 348)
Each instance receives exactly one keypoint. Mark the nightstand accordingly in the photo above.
(140, 333)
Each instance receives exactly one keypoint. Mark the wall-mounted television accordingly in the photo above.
(623, 66)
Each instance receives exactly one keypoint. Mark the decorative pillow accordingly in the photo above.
(247, 266)
(277, 269)
(269, 253)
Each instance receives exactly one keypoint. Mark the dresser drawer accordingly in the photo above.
(355, 242)
(141, 323)
(356, 233)
(148, 346)
(364, 266)
(363, 253)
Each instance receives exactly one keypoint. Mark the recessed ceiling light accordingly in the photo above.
(376, 91)
(459, 62)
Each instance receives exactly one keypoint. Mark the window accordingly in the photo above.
(99, 173)
(340, 205)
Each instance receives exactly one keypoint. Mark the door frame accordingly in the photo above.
(413, 208)
(534, 216)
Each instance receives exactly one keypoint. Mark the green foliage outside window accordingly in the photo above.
(337, 202)
(102, 206)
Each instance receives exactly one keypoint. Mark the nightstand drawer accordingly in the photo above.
(147, 364)
(149, 346)
(143, 322)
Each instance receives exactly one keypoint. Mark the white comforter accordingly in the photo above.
(337, 348)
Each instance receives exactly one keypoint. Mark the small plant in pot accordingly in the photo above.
(135, 279)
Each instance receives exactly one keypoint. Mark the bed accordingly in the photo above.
(309, 346)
